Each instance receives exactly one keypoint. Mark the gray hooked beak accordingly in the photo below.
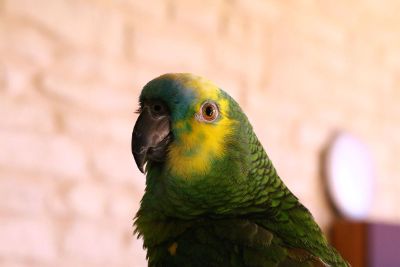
(150, 137)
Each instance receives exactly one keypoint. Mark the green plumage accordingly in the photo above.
(238, 213)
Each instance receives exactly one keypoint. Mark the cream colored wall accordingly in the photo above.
(71, 72)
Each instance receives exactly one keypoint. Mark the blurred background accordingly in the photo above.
(71, 72)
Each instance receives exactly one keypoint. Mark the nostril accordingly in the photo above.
(157, 107)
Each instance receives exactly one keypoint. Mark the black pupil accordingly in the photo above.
(209, 111)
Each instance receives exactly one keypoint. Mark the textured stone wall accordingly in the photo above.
(71, 72)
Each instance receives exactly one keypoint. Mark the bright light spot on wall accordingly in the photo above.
(351, 176)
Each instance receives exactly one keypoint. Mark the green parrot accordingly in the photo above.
(213, 197)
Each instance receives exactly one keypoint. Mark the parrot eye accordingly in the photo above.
(209, 111)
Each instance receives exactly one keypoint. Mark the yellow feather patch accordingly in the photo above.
(172, 249)
(205, 141)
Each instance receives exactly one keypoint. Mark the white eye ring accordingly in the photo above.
(209, 112)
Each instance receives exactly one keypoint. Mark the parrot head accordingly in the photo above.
(186, 125)
(196, 147)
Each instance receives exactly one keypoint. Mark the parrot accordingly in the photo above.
(212, 196)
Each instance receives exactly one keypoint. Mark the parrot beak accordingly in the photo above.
(150, 137)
